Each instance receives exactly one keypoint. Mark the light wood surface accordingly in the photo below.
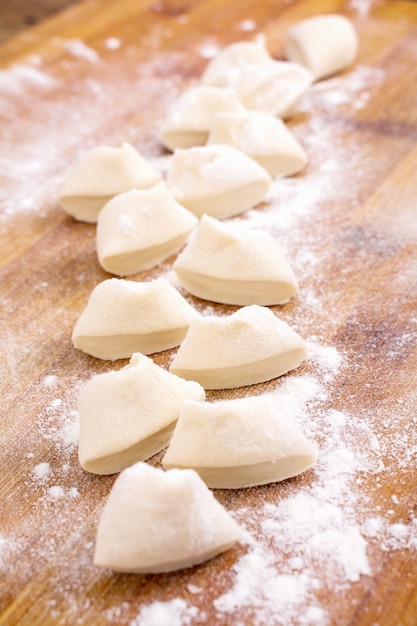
(105, 72)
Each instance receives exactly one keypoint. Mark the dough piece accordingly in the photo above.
(156, 521)
(129, 415)
(101, 174)
(275, 87)
(123, 317)
(224, 265)
(324, 44)
(138, 229)
(261, 136)
(239, 443)
(189, 120)
(250, 346)
(226, 68)
(217, 180)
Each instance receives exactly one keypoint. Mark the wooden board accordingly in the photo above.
(106, 72)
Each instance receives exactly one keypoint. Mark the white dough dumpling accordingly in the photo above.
(157, 521)
(129, 415)
(138, 229)
(217, 180)
(235, 266)
(189, 120)
(239, 443)
(123, 317)
(102, 173)
(250, 346)
(261, 136)
(324, 44)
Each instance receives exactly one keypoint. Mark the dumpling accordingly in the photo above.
(138, 229)
(324, 44)
(250, 346)
(261, 136)
(239, 443)
(217, 180)
(156, 521)
(129, 415)
(233, 266)
(123, 317)
(189, 120)
(102, 173)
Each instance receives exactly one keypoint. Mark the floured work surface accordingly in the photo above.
(335, 545)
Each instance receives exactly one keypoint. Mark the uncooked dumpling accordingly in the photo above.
(102, 173)
(189, 120)
(123, 317)
(275, 87)
(226, 68)
(156, 521)
(261, 136)
(324, 44)
(250, 346)
(233, 266)
(129, 415)
(217, 180)
(138, 229)
(239, 443)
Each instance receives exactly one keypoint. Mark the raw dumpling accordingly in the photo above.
(129, 415)
(275, 87)
(189, 119)
(261, 136)
(138, 229)
(226, 68)
(123, 317)
(239, 267)
(217, 180)
(324, 44)
(156, 521)
(239, 443)
(250, 346)
(101, 174)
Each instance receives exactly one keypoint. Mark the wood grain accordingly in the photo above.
(353, 242)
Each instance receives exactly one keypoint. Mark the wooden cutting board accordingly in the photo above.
(336, 545)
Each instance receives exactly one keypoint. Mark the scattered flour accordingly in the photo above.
(79, 49)
(173, 613)
(113, 43)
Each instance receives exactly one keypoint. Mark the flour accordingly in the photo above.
(79, 49)
(113, 43)
(173, 613)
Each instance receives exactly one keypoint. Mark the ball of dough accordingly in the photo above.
(138, 229)
(156, 521)
(239, 443)
(123, 317)
(189, 120)
(261, 136)
(247, 347)
(129, 415)
(102, 173)
(324, 44)
(226, 68)
(217, 180)
(235, 266)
